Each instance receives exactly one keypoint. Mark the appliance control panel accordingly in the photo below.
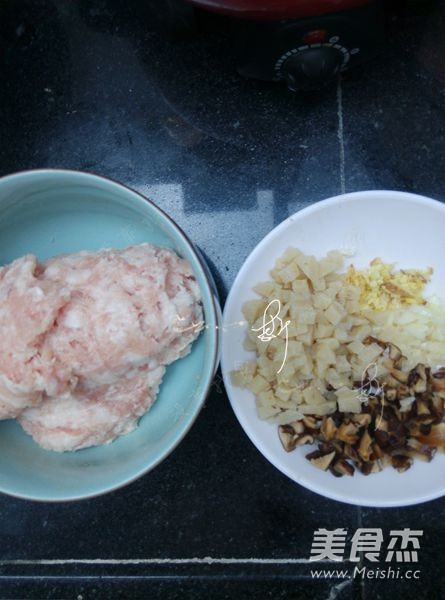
(309, 53)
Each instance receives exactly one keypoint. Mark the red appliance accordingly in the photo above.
(277, 9)
(305, 43)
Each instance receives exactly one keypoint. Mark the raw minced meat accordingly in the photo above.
(83, 332)
(29, 306)
(127, 308)
(89, 417)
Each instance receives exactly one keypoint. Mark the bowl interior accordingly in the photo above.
(400, 228)
(51, 212)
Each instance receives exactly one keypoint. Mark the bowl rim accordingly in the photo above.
(216, 314)
(340, 199)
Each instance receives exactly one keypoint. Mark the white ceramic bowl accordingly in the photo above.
(401, 228)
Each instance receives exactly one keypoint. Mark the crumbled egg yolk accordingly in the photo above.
(382, 287)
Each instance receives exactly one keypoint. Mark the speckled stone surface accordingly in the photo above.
(93, 85)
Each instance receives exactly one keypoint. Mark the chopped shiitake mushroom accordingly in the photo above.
(320, 460)
(362, 420)
(342, 467)
(402, 422)
(328, 429)
(364, 448)
(288, 437)
(348, 433)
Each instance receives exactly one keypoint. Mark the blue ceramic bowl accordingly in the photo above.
(50, 212)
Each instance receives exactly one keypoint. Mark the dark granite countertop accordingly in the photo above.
(93, 85)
